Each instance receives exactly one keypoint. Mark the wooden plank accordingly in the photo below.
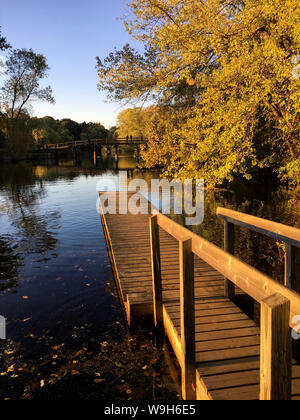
(227, 343)
(227, 354)
(230, 380)
(276, 349)
(228, 366)
(187, 316)
(156, 271)
(223, 335)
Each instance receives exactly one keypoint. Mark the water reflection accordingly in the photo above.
(22, 188)
(63, 310)
(9, 262)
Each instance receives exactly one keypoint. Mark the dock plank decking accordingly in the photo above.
(227, 341)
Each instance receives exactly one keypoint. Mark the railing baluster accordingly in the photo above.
(156, 271)
(292, 267)
(229, 247)
(276, 349)
(187, 319)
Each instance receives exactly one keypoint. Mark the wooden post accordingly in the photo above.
(187, 319)
(75, 156)
(56, 157)
(95, 155)
(292, 268)
(276, 349)
(156, 272)
(229, 247)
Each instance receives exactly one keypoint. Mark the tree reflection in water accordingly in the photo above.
(9, 262)
(21, 188)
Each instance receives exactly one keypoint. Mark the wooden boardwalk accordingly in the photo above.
(227, 343)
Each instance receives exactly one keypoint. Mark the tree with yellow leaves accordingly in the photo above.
(222, 74)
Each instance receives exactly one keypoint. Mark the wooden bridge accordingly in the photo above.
(96, 142)
(94, 145)
(191, 288)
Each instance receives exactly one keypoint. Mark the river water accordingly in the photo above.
(66, 337)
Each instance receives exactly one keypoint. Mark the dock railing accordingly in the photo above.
(279, 232)
(279, 304)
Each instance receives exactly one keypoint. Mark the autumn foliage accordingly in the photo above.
(221, 76)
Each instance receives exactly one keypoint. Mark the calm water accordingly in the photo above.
(65, 332)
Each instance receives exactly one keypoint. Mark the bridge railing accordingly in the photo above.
(279, 306)
(91, 142)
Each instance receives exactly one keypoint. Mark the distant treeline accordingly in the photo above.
(41, 131)
(48, 130)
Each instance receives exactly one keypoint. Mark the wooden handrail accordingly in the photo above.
(254, 283)
(278, 231)
(279, 305)
(134, 140)
(289, 235)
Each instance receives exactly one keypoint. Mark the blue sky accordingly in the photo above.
(70, 33)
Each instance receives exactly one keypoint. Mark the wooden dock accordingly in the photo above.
(190, 287)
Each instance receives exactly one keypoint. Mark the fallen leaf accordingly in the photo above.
(55, 348)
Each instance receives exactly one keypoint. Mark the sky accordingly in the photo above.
(70, 33)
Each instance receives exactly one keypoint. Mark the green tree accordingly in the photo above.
(113, 132)
(94, 131)
(24, 72)
(47, 130)
(73, 127)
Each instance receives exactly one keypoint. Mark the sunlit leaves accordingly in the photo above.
(221, 73)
